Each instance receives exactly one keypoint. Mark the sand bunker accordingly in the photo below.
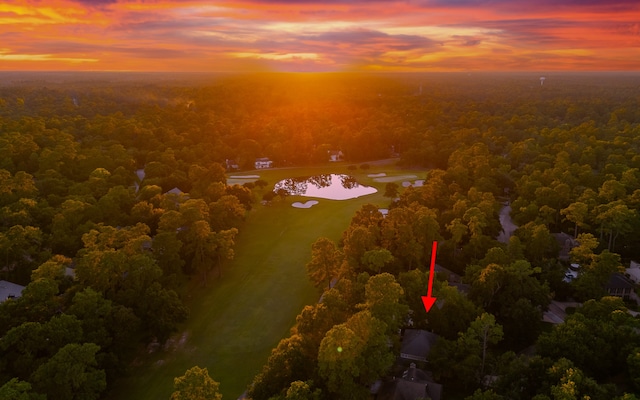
(307, 204)
(380, 175)
(383, 211)
(245, 177)
(241, 179)
(417, 183)
(394, 178)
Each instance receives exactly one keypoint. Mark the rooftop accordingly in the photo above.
(416, 344)
(9, 290)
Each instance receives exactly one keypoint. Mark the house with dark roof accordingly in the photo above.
(619, 285)
(565, 242)
(10, 290)
(414, 384)
(175, 191)
(417, 344)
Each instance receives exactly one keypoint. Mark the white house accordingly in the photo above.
(232, 165)
(571, 273)
(335, 155)
(633, 272)
(262, 163)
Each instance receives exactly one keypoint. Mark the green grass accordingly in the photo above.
(235, 321)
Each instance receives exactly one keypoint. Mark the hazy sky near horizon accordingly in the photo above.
(309, 35)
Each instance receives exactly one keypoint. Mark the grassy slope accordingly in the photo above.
(237, 320)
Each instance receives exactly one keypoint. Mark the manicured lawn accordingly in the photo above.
(235, 321)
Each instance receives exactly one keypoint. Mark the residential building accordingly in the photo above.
(416, 344)
(619, 285)
(10, 290)
(262, 163)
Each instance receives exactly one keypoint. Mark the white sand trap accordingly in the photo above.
(394, 178)
(417, 183)
(380, 175)
(383, 211)
(241, 179)
(307, 204)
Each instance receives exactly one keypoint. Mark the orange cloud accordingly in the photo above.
(188, 35)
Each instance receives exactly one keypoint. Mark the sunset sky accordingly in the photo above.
(309, 35)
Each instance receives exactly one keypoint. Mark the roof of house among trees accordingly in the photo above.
(9, 290)
(414, 384)
(416, 344)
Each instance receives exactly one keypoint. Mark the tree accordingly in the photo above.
(115, 263)
(195, 384)
(458, 230)
(302, 391)
(20, 248)
(16, 389)
(287, 363)
(226, 213)
(593, 277)
(55, 270)
(68, 226)
(325, 262)
(391, 190)
(357, 241)
(572, 384)
(161, 311)
(111, 326)
(583, 254)
(476, 221)
(71, 374)
(377, 259)
(313, 322)
(577, 213)
(353, 355)
(484, 395)
(382, 299)
(464, 359)
(633, 365)
(224, 241)
(454, 312)
(481, 333)
(597, 338)
(202, 247)
(616, 219)
(39, 302)
(400, 238)
(28, 345)
(425, 228)
(166, 251)
(538, 242)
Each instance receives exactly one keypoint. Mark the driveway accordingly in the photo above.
(557, 311)
(508, 227)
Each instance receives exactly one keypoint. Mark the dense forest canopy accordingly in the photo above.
(113, 195)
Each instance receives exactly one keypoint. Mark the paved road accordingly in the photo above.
(557, 311)
(508, 227)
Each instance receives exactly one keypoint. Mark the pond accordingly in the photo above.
(325, 186)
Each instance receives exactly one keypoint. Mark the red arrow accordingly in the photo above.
(427, 300)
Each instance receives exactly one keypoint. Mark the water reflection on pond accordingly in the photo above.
(325, 186)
